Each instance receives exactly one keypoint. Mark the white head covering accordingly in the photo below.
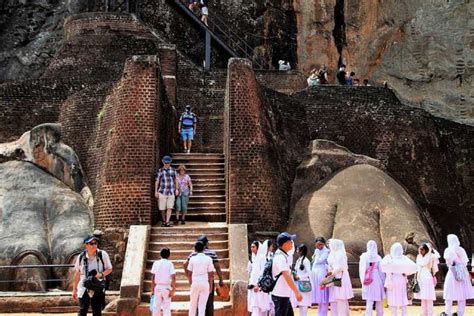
(371, 255)
(337, 258)
(454, 252)
(281, 62)
(429, 260)
(396, 262)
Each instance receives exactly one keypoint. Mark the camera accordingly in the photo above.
(92, 273)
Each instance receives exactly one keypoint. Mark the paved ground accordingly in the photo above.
(356, 311)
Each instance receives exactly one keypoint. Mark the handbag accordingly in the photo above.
(415, 286)
(368, 274)
(223, 292)
(94, 284)
(304, 286)
(458, 271)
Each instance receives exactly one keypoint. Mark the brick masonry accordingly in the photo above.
(430, 157)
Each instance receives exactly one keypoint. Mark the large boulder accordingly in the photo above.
(43, 221)
(358, 204)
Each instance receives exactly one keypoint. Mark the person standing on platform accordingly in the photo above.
(338, 268)
(166, 189)
(163, 283)
(185, 191)
(372, 279)
(427, 262)
(319, 270)
(303, 278)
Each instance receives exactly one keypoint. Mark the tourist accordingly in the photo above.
(323, 75)
(319, 270)
(427, 267)
(397, 267)
(341, 75)
(200, 271)
(338, 268)
(163, 283)
(281, 271)
(284, 66)
(270, 249)
(457, 284)
(215, 261)
(356, 82)
(313, 79)
(191, 4)
(372, 279)
(166, 188)
(366, 83)
(91, 268)
(258, 301)
(187, 128)
(350, 79)
(303, 278)
(185, 191)
(204, 11)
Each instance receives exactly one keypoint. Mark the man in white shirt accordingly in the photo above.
(163, 283)
(281, 270)
(200, 271)
(95, 263)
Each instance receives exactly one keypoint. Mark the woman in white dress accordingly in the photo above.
(457, 285)
(258, 301)
(372, 279)
(303, 274)
(427, 267)
(319, 270)
(397, 267)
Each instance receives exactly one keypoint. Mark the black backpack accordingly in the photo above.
(82, 256)
(266, 282)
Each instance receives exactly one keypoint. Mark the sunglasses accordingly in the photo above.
(92, 243)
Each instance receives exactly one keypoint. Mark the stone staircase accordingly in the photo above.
(207, 203)
(206, 215)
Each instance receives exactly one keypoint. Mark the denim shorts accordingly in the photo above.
(187, 133)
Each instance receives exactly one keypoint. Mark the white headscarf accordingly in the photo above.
(371, 255)
(396, 262)
(337, 258)
(258, 262)
(455, 252)
(429, 260)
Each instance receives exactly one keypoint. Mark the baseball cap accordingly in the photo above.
(188, 107)
(284, 237)
(89, 238)
(166, 159)
(203, 239)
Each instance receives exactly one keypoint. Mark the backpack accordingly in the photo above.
(82, 256)
(266, 282)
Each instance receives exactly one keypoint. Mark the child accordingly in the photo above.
(427, 262)
(303, 272)
(397, 267)
(372, 279)
(163, 283)
(338, 267)
(319, 270)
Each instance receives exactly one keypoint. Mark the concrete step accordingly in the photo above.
(207, 198)
(180, 296)
(183, 254)
(205, 203)
(202, 166)
(201, 185)
(208, 181)
(191, 227)
(200, 192)
(180, 245)
(187, 237)
(207, 216)
(179, 264)
(203, 176)
(182, 309)
(181, 285)
(181, 276)
(204, 171)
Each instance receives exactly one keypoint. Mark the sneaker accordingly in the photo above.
(185, 150)
(189, 151)
(183, 222)
(443, 314)
(163, 224)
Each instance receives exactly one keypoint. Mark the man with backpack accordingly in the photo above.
(187, 128)
(281, 272)
(90, 271)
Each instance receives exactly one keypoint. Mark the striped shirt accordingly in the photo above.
(167, 181)
(207, 252)
(188, 119)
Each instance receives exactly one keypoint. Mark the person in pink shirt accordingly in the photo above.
(185, 187)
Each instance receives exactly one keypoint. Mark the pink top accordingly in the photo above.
(184, 182)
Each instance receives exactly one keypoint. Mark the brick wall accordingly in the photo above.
(287, 82)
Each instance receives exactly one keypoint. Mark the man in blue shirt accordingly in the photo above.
(187, 128)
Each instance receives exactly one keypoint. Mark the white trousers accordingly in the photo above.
(340, 308)
(323, 309)
(199, 295)
(426, 307)
(162, 300)
(403, 310)
(378, 308)
(449, 305)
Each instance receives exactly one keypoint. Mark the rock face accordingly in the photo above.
(42, 219)
(422, 48)
(43, 147)
(357, 204)
(323, 158)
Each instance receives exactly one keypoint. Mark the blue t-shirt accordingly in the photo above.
(188, 119)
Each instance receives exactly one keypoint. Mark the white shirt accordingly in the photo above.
(163, 270)
(305, 273)
(92, 263)
(200, 265)
(281, 263)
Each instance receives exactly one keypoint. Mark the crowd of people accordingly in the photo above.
(323, 279)
(343, 77)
